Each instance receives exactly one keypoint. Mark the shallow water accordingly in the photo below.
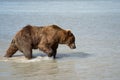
(95, 25)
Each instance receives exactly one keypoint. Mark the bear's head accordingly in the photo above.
(70, 39)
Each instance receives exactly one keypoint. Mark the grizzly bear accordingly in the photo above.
(46, 38)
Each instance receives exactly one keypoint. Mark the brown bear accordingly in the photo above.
(46, 38)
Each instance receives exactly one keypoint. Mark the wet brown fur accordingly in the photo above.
(46, 38)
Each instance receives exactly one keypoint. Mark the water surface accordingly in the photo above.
(95, 25)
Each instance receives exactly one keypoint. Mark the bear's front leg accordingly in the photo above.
(46, 49)
(54, 48)
(50, 54)
(53, 53)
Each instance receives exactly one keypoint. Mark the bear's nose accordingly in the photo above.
(73, 46)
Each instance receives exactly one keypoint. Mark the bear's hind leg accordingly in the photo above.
(11, 50)
(46, 49)
(27, 52)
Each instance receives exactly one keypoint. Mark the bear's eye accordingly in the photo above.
(71, 40)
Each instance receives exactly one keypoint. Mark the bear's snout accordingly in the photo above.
(72, 46)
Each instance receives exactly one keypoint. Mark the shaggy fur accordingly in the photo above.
(46, 38)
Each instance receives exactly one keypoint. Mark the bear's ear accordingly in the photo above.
(69, 32)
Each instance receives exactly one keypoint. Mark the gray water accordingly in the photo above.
(95, 24)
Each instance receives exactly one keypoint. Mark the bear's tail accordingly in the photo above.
(11, 50)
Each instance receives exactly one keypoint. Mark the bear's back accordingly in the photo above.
(54, 27)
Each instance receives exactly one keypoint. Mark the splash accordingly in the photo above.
(22, 59)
